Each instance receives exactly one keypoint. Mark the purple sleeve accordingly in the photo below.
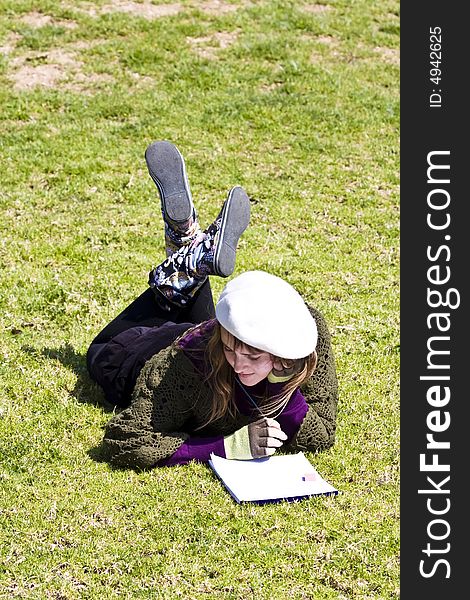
(292, 416)
(195, 448)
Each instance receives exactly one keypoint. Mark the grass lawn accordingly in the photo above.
(298, 102)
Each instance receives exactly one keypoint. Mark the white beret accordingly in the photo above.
(266, 312)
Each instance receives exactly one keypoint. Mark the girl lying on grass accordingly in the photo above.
(242, 379)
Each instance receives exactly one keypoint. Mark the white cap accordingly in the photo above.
(266, 312)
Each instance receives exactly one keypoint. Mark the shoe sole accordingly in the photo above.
(168, 171)
(235, 219)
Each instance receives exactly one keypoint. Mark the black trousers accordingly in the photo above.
(120, 350)
(144, 311)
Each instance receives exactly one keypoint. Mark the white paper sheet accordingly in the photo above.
(287, 476)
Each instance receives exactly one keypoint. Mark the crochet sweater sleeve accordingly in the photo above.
(152, 427)
(317, 430)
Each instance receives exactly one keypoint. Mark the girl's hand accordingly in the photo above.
(255, 440)
(287, 368)
(265, 436)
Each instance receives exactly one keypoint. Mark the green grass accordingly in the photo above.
(298, 103)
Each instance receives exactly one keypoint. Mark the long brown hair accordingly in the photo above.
(221, 379)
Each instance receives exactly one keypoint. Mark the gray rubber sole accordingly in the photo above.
(235, 219)
(168, 171)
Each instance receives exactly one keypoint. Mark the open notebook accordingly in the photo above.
(283, 477)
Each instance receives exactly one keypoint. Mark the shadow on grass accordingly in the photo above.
(86, 391)
(98, 454)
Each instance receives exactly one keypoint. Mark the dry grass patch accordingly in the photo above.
(55, 68)
(317, 9)
(36, 20)
(390, 55)
(208, 46)
(58, 68)
(88, 82)
(147, 10)
(328, 40)
(336, 52)
(10, 43)
(144, 9)
(44, 69)
(216, 7)
(270, 87)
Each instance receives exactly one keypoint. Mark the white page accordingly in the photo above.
(270, 478)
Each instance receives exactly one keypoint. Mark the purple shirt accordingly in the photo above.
(200, 448)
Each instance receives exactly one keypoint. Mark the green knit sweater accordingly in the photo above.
(170, 400)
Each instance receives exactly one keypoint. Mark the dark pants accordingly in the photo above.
(119, 351)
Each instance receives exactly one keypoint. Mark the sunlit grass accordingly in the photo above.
(297, 102)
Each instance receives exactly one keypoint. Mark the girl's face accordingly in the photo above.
(251, 365)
